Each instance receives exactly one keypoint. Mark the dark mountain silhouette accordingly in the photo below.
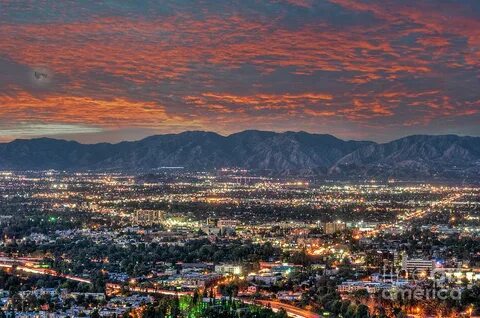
(289, 153)
(420, 156)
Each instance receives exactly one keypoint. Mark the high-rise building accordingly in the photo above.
(416, 266)
(148, 217)
(334, 227)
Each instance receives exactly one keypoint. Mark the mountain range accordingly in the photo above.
(418, 157)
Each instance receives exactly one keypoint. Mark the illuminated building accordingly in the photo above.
(228, 269)
(227, 223)
(415, 265)
(334, 227)
(148, 217)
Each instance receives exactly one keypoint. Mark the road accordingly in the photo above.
(292, 311)
(421, 213)
(26, 265)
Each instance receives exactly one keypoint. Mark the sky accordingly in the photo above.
(97, 71)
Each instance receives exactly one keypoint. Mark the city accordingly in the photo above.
(225, 243)
(240, 158)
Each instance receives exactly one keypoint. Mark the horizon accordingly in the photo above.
(359, 70)
(234, 133)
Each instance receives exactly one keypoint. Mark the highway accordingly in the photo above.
(49, 272)
(26, 265)
(421, 213)
(291, 311)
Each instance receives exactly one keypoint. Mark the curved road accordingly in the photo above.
(292, 311)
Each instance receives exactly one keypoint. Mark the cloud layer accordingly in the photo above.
(355, 68)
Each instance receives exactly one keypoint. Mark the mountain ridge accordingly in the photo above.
(288, 153)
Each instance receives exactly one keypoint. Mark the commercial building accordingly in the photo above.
(415, 266)
(334, 227)
(228, 269)
(148, 217)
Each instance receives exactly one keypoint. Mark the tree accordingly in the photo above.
(344, 307)
(362, 311)
(352, 309)
(282, 313)
(195, 297)
(95, 314)
(361, 294)
(175, 309)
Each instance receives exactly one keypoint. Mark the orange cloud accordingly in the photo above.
(24, 107)
(197, 69)
(429, 19)
(258, 101)
(142, 51)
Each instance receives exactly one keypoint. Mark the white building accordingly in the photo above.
(416, 265)
(370, 287)
(264, 278)
(228, 269)
(227, 223)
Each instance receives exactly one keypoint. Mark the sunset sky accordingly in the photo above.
(122, 70)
